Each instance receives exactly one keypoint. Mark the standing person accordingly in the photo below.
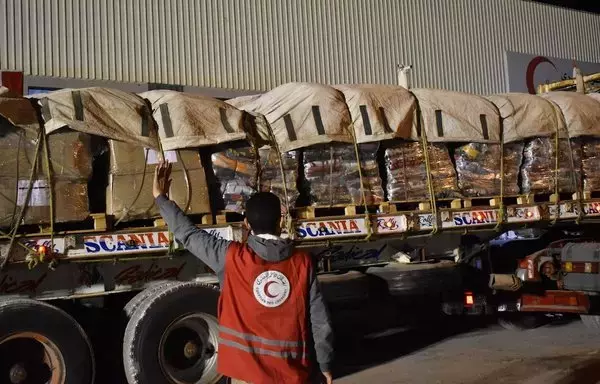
(270, 301)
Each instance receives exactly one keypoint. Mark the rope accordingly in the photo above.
(556, 169)
(289, 224)
(188, 184)
(125, 213)
(331, 175)
(14, 230)
(430, 185)
(577, 183)
(501, 205)
(171, 236)
(48, 171)
(368, 225)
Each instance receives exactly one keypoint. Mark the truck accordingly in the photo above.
(169, 330)
(528, 276)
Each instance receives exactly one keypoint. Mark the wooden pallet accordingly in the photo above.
(548, 198)
(226, 217)
(313, 212)
(101, 222)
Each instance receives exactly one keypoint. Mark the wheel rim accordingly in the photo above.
(30, 357)
(188, 350)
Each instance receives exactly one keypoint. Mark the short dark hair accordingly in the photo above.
(263, 211)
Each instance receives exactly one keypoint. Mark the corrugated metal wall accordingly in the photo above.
(258, 44)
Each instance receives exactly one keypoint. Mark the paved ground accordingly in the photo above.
(559, 353)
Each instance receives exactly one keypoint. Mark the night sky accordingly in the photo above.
(582, 5)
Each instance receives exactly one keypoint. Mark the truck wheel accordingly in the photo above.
(591, 321)
(521, 322)
(172, 337)
(40, 343)
(135, 302)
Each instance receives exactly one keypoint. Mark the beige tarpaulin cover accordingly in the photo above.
(188, 121)
(103, 112)
(380, 112)
(456, 117)
(303, 114)
(581, 112)
(240, 101)
(526, 116)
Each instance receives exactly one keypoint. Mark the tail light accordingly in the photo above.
(469, 299)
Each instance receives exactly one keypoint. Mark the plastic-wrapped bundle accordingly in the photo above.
(407, 173)
(513, 158)
(333, 178)
(590, 162)
(236, 170)
(478, 169)
(270, 178)
(539, 166)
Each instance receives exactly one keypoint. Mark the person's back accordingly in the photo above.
(270, 303)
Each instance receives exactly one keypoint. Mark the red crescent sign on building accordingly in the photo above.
(533, 64)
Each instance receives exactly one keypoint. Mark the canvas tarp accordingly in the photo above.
(105, 112)
(581, 113)
(526, 116)
(240, 101)
(456, 117)
(188, 121)
(302, 114)
(380, 112)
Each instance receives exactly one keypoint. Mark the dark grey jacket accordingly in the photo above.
(212, 250)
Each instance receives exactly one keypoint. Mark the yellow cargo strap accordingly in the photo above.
(430, 185)
(17, 223)
(556, 172)
(368, 225)
(501, 203)
(289, 223)
(48, 172)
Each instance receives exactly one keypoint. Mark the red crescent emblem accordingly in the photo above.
(266, 290)
(531, 71)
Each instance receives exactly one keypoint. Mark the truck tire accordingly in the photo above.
(35, 336)
(521, 322)
(135, 302)
(591, 321)
(172, 337)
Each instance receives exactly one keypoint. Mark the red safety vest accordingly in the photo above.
(263, 318)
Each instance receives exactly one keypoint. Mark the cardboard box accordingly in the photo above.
(70, 201)
(69, 152)
(128, 159)
(129, 197)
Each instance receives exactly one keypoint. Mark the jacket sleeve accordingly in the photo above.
(321, 325)
(209, 249)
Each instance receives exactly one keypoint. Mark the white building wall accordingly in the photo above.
(258, 44)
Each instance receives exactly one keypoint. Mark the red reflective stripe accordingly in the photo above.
(13, 81)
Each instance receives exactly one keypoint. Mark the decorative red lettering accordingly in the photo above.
(162, 239)
(344, 226)
(354, 226)
(9, 285)
(334, 226)
(137, 273)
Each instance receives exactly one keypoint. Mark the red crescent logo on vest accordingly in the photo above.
(271, 288)
(531, 71)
